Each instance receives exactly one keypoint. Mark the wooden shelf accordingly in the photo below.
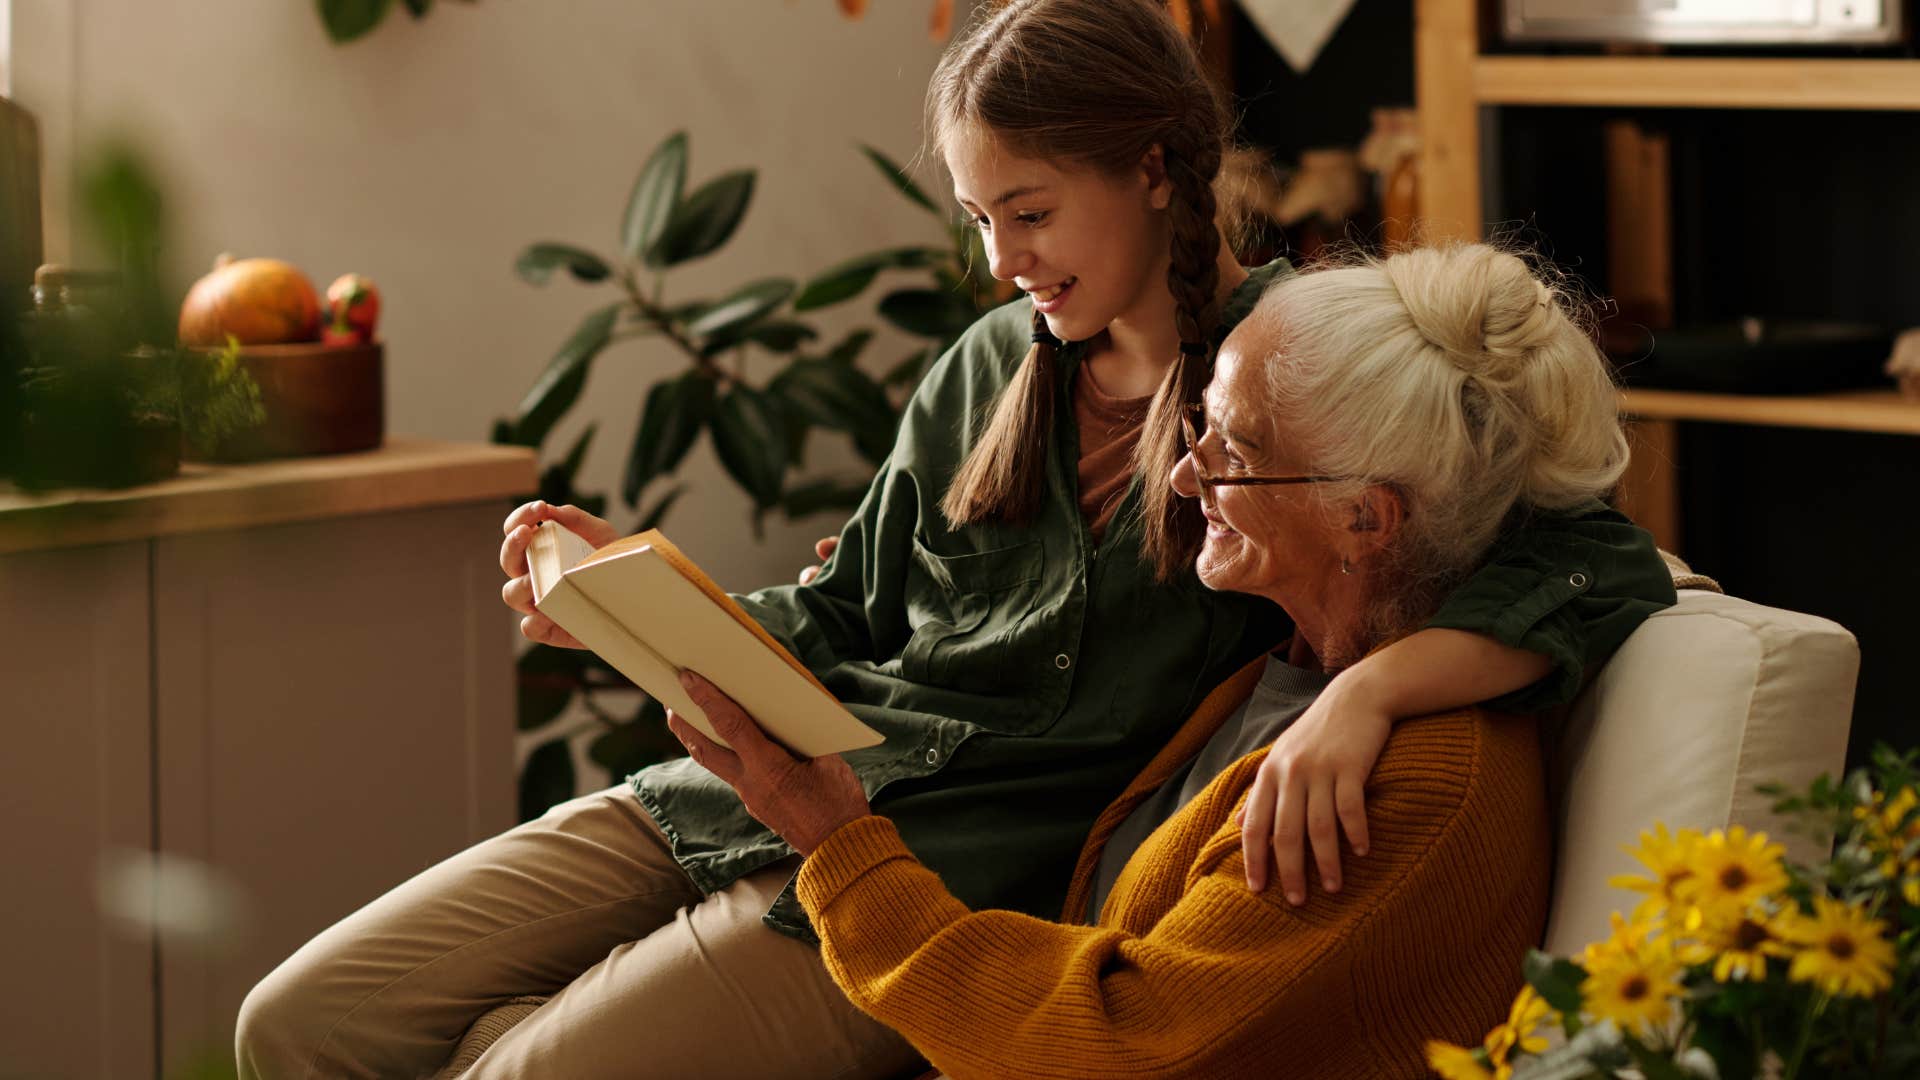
(1883, 411)
(403, 474)
(1697, 82)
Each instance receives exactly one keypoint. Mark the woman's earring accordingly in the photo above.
(1345, 567)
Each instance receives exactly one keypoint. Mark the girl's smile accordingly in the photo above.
(1051, 298)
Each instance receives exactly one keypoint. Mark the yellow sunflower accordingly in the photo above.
(1731, 870)
(1843, 950)
(1632, 980)
(1626, 936)
(1886, 819)
(1529, 1011)
(1737, 945)
(1669, 856)
(1462, 1063)
(1891, 825)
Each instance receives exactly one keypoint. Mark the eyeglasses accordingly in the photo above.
(1193, 424)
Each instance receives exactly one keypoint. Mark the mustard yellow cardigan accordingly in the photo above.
(1187, 972)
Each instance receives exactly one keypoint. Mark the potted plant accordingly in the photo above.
(744, 369)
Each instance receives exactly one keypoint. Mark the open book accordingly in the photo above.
(651, 613)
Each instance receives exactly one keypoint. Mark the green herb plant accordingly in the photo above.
(97, 394)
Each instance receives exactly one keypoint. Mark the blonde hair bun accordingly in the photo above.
(1458, 374)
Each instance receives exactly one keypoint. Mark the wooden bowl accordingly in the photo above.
(318, 399)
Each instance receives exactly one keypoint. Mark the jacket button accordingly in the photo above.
(1578, 580)
(933, 757)
(1063, 661)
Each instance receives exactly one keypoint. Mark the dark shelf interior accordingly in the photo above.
(1808, 215)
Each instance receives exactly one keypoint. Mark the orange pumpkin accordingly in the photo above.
(258, 301)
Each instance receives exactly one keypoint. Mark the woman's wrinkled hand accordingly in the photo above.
(1311, 787)
(822, 550)
(803, 799)
(518, 591)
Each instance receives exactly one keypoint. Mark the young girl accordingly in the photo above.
(1013, 606)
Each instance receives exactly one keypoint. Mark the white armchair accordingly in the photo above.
(1706, 700)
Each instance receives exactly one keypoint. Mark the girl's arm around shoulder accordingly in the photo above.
(1567, 585)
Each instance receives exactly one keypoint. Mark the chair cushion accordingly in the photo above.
(1706, 700)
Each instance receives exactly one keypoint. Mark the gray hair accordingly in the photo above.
(1462, 379)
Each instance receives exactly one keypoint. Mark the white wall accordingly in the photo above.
(428, 154)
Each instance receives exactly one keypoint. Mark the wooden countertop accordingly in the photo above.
(402, 475)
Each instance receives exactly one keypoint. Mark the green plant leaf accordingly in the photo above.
(632, 745)
(418, 8)
(816, 496)
(537, 264)
(545, 679)
(559, 386)
(1555, 979)
(670, 420)
(579, 452)
(346, 20)
(1653, 1064)
(928, 313)
(899, 178)
(847, 280)
(652, 517)
(1729, 1046)
(502, 432)
(747, 303)
(750, 437)
(839, 397)
(546, 779)
(656, 191)
(556, 487)
(704, 221)
(680, 313)
(850, 347)
(779, 335)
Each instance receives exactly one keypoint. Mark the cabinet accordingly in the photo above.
(236, 706)
(1456, 84)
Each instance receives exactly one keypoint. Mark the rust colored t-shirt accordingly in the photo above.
(1109, 430)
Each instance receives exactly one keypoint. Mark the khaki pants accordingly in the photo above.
(646, 977)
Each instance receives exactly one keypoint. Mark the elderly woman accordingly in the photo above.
(1368, 433)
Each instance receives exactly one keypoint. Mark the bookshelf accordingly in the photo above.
(1455, 84)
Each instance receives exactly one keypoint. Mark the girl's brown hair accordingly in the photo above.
(1097, 83)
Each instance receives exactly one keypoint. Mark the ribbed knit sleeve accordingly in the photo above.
(1194, 975)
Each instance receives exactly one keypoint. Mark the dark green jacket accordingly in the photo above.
(1022, 676)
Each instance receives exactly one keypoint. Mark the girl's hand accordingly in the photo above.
(1314, 777)
(822, 550)
(803, 799)
(518, 591)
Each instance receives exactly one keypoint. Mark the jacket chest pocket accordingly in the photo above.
(961, 609)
